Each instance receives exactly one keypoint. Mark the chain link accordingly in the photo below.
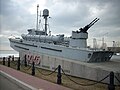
(26, 68)
(85, 84)
(118, 81)
(13, 62)
(48, 73)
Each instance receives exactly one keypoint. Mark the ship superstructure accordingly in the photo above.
(73, 48)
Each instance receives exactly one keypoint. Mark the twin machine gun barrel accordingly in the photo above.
(84, 29)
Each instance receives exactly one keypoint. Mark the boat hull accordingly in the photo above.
(79, 54)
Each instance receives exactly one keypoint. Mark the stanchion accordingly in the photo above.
(3, 60)
(8, 61)
(111, 85)
(25, 62)
(18, 64)
(59, 81)
(33, 68)
(13, 58)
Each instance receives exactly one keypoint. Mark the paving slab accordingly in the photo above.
(35, 82)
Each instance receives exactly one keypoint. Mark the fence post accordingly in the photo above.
(111, 85)
(33, 68)
(25, 62)
(8, 61)
(18, 64)
(59, 75)
(3, 60)
(13, 58)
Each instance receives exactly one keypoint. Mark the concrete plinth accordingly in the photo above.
(91, 71)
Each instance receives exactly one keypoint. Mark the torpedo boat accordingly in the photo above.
(40, 42)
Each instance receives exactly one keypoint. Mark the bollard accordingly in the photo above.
(18, 64)
(111, 85)
(3, 60)
(13, 58)
(8, 61)
(33, 68)
(59, 81)
(25, 62)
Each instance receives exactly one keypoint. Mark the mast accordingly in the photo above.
(45, 15)
(37, 18)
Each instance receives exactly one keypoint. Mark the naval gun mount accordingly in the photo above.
(79, 38)
(85, 29)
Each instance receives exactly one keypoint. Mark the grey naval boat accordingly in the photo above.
(74, 48)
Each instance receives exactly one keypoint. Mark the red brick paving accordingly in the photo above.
(31, 80)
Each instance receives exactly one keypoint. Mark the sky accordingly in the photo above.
(16, 16)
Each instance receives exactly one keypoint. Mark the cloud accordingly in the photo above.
(66, 15)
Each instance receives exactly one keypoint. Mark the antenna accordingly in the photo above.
(114, 45)
(40, 20)
(49, 30)
(40, 13)
(37, 17)
(95, 43)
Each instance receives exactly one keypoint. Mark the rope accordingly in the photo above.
(48, 73)
(85, 84)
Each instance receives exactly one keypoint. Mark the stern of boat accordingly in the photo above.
(101, 56)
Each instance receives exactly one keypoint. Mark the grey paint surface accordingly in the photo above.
(7, 84)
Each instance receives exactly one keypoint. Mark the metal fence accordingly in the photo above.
(27, 66)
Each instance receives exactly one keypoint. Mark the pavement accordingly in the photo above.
(7, 84)
(27, 81)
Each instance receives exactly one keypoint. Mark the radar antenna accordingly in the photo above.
(45, 15)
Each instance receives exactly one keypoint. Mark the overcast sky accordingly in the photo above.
(16, 16)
